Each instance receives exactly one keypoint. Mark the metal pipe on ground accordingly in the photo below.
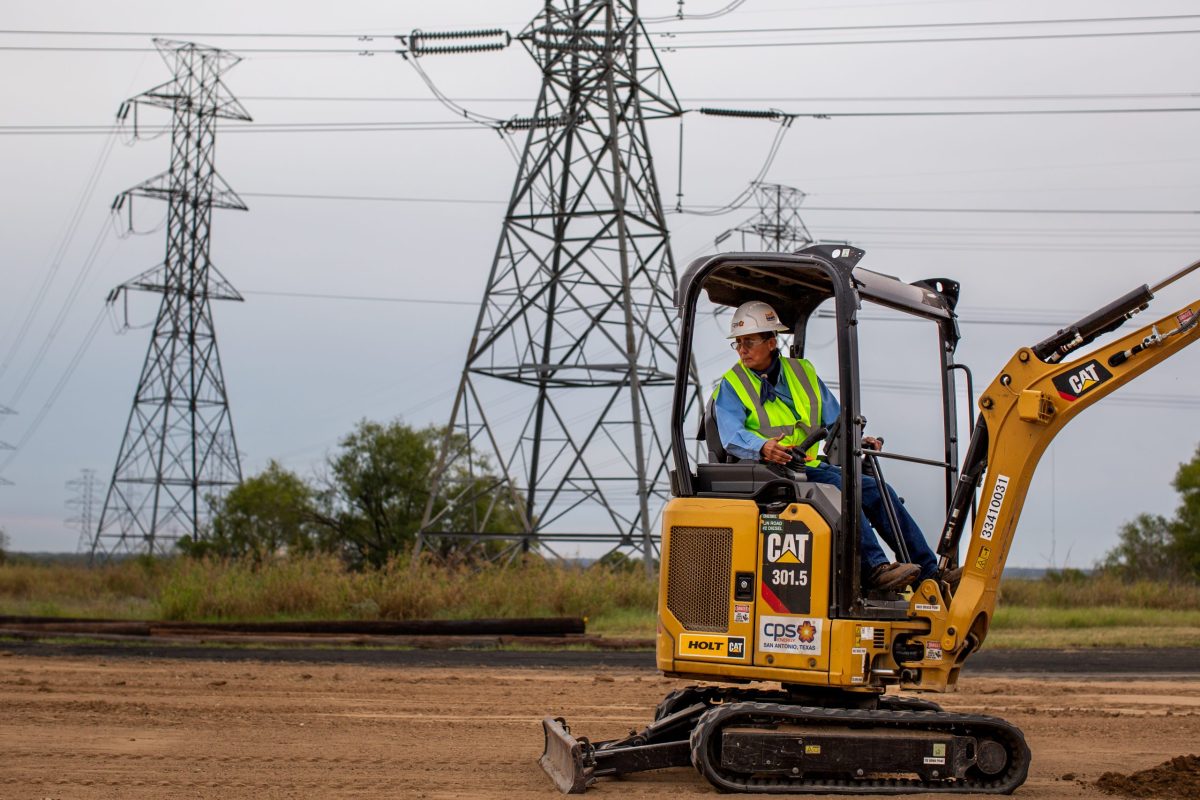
(526, 626)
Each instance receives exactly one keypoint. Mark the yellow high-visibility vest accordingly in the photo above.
(781, 421)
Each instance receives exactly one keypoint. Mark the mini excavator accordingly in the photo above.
(760, 570)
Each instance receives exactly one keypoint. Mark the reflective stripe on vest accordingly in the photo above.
(780, 420)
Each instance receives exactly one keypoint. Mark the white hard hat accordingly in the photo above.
(754, 317)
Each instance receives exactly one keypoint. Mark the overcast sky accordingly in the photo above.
(302, 370)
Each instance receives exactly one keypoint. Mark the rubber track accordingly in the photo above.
(705, 736)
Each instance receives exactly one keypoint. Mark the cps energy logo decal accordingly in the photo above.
(1081, 380)
(722, 647)
(798, 635)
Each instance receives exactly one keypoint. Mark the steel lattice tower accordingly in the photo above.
(84, 505)
(577, 329)
(5, 445)
(777, 226)
(179, 446)
(4, 411)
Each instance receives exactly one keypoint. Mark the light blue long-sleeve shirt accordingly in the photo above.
(731, 415)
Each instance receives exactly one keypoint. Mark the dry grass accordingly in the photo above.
(125, 590)
(1070, 611)
(319, 587)
(1077, 590)
(1083, 638)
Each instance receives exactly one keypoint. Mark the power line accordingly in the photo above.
(199, 35)
(666, 48)
(88, 338)
(60, 318)
(956, 210)
(966, 317)
(807, 208)
(444, 125)
(1141, 400)
(1000, 315)
(108, 128)
(938, 40)
(1015, 112)
(948, 98)
(1090, 232)
(913, 25)
(374, 198)
(680, 16)
(371, 37)
(974, 247)
(60, 252)
(261, 50)
(385, 99)
(278, 127)
(367, 298)
(746, 99)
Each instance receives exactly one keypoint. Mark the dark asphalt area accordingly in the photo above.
(1063, 663)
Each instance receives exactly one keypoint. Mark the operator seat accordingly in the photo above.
(769, 485)
(727, 476)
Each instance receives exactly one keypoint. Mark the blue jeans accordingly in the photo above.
(872, 500)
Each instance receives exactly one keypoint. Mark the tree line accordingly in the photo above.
(1154, 547)
(369, 504)
(366, 508)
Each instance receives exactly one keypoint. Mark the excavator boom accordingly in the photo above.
(1021, 412)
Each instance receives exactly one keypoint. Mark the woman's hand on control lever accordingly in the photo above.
(871, 443)
(775, 453)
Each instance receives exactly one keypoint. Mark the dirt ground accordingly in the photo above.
(74, 727)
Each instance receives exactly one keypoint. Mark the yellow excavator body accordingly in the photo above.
(760, 579)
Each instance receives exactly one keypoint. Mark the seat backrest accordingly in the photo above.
(712, 437)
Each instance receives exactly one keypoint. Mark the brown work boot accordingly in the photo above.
(890, 577)
(952, 577)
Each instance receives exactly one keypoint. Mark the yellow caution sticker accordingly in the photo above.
(985, 553)
(812, 749)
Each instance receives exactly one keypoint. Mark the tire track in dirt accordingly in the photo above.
(148, 729)
(1136, 661)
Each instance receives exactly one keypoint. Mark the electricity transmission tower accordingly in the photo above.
(84, 504)
(179, 445)
(5, 446)
(777, 227)
(560, 425)
(5, 410)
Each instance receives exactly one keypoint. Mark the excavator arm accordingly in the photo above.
(1021, 412)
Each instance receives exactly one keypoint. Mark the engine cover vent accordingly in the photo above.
(698, 566)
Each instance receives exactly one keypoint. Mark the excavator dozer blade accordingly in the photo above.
(562, 758)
